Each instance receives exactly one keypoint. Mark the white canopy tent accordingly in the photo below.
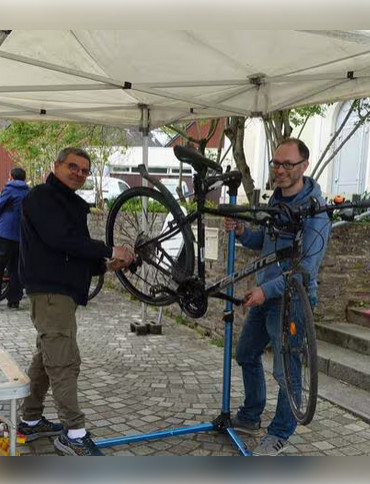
(148, 78)
(113, 77)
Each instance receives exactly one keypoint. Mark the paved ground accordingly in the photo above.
(131, 384)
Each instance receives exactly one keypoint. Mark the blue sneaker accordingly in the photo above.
(76, 447)
(44, 428)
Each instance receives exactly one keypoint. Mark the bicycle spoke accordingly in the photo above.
(144, 224)
(299, 354)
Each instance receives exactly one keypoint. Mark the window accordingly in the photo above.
(159, 170)
(122, 186)
(121, 169)
(184, 171)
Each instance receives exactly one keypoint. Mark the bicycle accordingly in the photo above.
(96, 286)
(4, 285)
(157, 229)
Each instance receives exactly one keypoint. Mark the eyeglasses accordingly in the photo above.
(74, 168)
(287, 165)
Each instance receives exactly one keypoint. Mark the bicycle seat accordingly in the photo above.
(199, 162)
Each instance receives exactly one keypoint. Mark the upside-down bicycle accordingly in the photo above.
(153, 224)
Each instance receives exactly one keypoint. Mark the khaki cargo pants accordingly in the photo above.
(57, 361)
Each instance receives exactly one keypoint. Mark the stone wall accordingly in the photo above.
(344, 275)
(345, 272)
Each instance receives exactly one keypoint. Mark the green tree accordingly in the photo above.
(35, 146)
(103, 142)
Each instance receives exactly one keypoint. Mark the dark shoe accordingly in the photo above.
(246, 426)
(44, 428)
(77, 447)
(13, 305)
(271, 445)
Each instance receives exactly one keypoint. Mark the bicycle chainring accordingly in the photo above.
(192, 297)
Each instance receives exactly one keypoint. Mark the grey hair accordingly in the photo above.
(62, 155)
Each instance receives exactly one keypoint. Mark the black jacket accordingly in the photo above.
(57, 254)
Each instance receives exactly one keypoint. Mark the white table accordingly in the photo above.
(14, 384)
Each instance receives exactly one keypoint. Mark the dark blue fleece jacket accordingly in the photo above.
(316, 233)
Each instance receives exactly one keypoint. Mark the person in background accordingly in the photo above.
(57, 260)
(290, 161)
(11, 200)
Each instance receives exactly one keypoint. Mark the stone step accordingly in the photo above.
(346, 335)
(344, 364)
(349, 397)
(359, 316)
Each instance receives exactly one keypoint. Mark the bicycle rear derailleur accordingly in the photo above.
(192, 297)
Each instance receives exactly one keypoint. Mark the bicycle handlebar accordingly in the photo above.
(262, 214)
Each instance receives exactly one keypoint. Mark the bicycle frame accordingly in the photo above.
(212, 290)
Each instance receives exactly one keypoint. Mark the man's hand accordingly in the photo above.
(232, 224)
(124, 255)
(115, 265)
(254, 297)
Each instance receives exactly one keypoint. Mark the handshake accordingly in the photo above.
(122, 258)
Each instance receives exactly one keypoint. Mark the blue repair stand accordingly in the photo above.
(223, 422)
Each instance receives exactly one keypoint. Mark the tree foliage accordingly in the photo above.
(35, 146)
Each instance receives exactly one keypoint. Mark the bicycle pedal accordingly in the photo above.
(154, 328)
(138, 328)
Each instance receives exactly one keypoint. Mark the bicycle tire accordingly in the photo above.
(95, 288)
(158, 272)
(298, 339)
(4, 286)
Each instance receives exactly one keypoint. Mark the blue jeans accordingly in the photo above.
(261, 327)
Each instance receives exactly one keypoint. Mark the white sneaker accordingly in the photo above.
(271, 445)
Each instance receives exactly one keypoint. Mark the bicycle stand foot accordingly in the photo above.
(138, 328)
(154, 328)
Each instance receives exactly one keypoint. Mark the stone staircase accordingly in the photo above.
(342, 320)
(344, 360)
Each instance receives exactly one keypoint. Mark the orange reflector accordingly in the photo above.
(339, 199)
(293, 329)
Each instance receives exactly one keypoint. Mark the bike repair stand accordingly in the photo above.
(223, 422)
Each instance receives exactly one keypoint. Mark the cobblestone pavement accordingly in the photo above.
(132, 384)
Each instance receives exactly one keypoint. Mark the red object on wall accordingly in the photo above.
(6, 164)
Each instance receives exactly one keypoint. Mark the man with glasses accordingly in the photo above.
(57, 261)
(290, 161)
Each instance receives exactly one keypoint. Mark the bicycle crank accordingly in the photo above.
(192, 298)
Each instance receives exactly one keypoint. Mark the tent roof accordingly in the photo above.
(107, 76)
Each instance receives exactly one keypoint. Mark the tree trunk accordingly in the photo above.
(235, 133)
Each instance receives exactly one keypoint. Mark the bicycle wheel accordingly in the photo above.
(143, 219)
(95, 286)
(299, 352)
(4, 285)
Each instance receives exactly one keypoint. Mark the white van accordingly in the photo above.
(111, 188)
